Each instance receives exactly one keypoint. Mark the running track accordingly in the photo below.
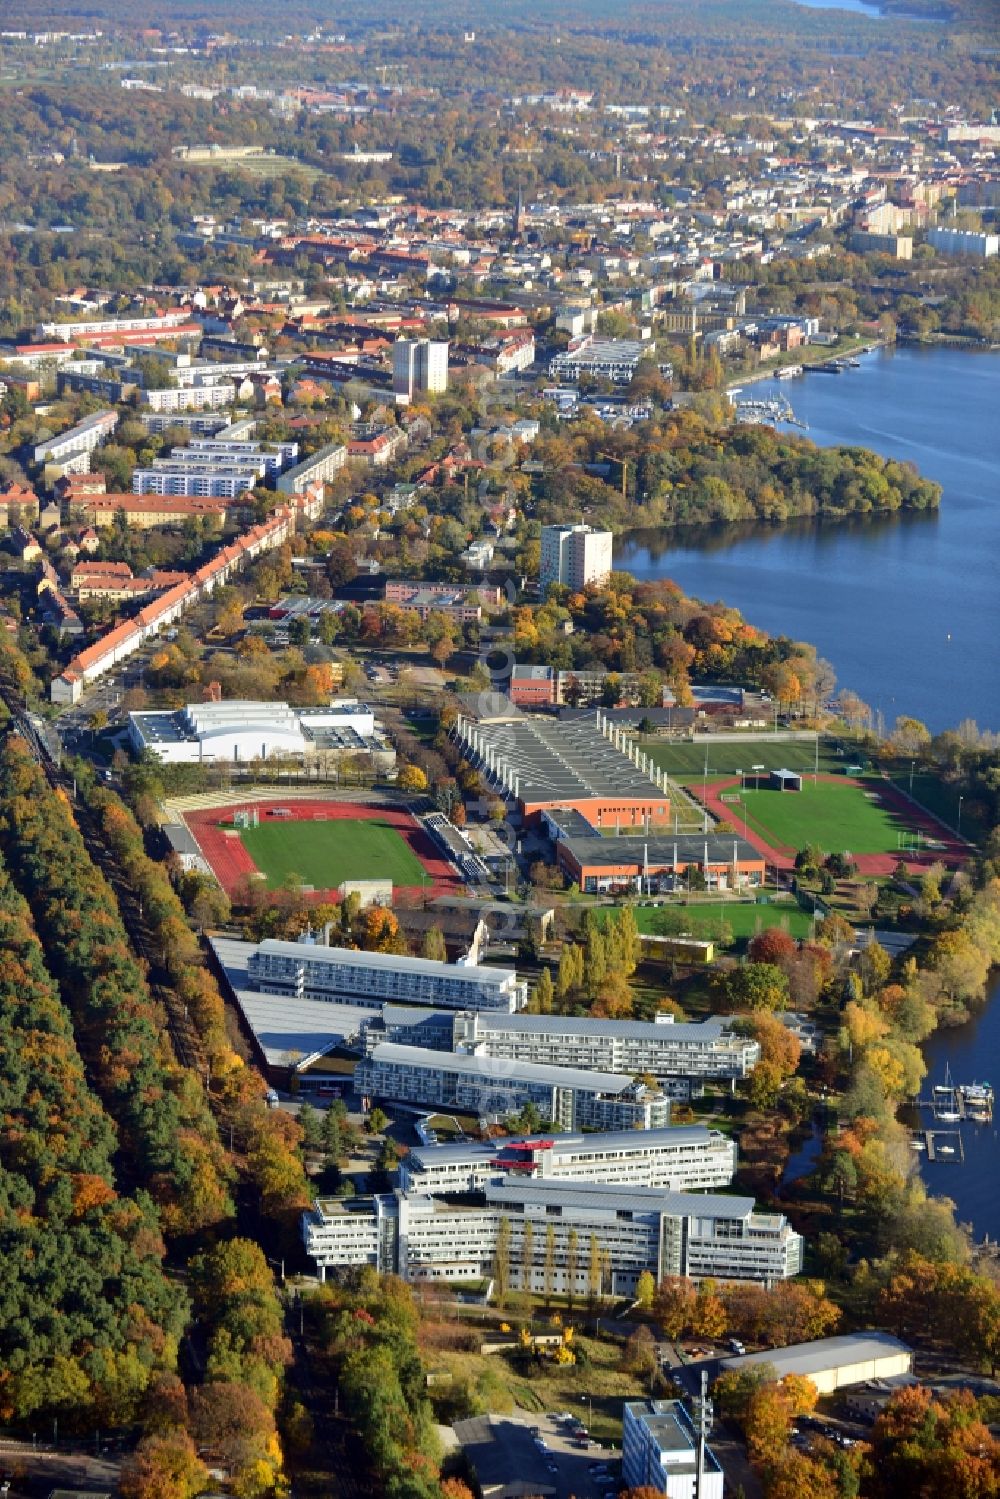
(233, 866)
(953, 851)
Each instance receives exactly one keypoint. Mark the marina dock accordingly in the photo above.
(944, 1145)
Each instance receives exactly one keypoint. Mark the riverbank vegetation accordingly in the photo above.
(682, 468)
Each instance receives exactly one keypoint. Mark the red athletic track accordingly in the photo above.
(952, 852)
(232, 865)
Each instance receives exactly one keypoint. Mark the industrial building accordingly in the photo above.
(572, 1237)
(648, 863)
(679, 1054)
(309, 970)
(238, 731)
(571, 1097)
(688, 1158)
(585, 764)
(833, 1363)
(660, 1451)
(574, 556)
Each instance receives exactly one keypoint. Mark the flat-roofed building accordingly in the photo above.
(832, 1363)
(679, 1054)
(83, 438)
(316, 972)
(574, 555)
(688, 1158)
(320, 467)
(570, 1097)
(660, 1451)
(238, 731)
(584, 764)
(551, 1230)
(660, 862)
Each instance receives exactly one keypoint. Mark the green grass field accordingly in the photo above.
(323, 854)
(725, 757)
(836, 815)
(707, 919)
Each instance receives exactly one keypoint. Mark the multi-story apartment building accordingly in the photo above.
(218, 482)
(419, 364)
(660, 1452)
(964, 242)
(614, 359)
(561, 1237)
(688, 1158)
(310, 971)
(571, 1097)
(192, 398)
(275, 456)
(575, 556)
(83, 438)
(165, 324)
(321, 467)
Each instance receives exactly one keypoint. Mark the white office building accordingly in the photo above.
(311, 971)
(419, 364)
(660, 1451)
(575, 556)
(680, 1055)
(570, 1097)
(567, 1237)
(689, 1158)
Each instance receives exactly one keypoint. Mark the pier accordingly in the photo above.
(944, 1145)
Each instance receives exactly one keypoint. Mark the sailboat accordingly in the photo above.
(945, 1103)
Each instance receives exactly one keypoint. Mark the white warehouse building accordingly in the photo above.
(562, 1237)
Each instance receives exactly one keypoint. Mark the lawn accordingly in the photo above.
(726, 757)
(323, 854)
(743, 918)
(836, 815)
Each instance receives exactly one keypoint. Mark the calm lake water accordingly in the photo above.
(857, 7)
(973, 1053)
(907, 608)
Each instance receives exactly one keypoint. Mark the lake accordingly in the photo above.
(972, 1052)
(856, 7)
(906, 607)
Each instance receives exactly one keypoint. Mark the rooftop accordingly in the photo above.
(430, 1156)
(281, 1024)
(314, 952)
(557, 760)
(824, 1353)
(391, 1054)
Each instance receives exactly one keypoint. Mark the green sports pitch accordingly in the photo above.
(838, 816)
(323, 854)
(686, 762)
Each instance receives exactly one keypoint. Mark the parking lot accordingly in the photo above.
(576, 1466)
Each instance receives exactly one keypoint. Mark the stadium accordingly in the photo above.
(272, 839)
